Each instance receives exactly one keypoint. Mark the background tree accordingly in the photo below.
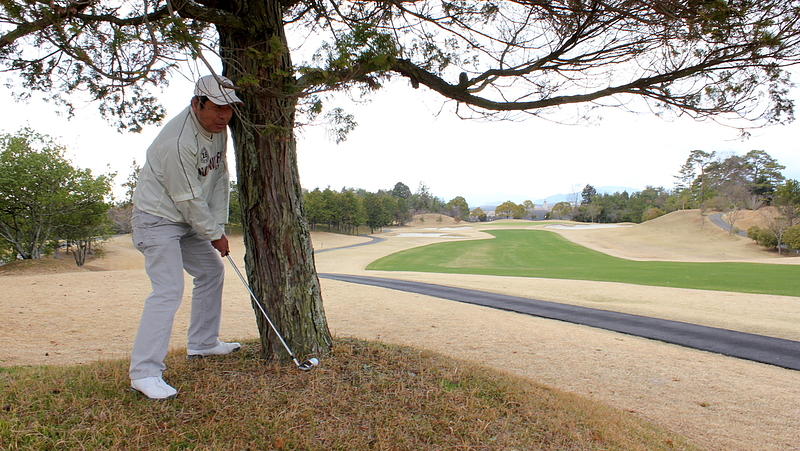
(401, 190)
(529, 207)
(315, 208)
(332, 203)
(507, 209)
(352, 211)
(478, 215)
(764, 174)
(787, 201)
(458, 209)
(120, 213)
(80, 228)
(592, 211)
(588, 194)
(561, 210)
(42, 197)
(401, 215)
(423, 201)
(764, 237)
(731, 201)
(792, 237)
(652, 213)
(709, 58)
(378, 210)
(235, 206)
(776, 225)
(693, 174)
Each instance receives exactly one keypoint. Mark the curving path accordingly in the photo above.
(758, 348)
(716, 219)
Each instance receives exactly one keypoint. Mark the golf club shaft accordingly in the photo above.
(260, 307)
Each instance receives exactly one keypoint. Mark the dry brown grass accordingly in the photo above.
(366, 396)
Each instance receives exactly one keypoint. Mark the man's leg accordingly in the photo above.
(204, 263)
(159, 240)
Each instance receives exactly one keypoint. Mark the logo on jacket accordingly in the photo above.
(210, 163)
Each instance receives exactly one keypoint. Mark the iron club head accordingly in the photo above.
(307, 365)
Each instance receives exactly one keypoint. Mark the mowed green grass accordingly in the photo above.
(538, 253)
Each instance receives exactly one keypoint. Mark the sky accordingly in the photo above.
(413, 136)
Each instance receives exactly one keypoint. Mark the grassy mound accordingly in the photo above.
(366, 396)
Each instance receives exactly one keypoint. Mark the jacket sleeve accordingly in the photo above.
(198, 216)
(183, 185)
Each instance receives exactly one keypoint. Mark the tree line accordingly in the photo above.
(709, 181)
(349, 208)
(45, 202)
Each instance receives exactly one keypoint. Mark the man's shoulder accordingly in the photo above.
(179, 122)
(178, 131)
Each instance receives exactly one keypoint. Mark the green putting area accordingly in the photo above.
(539, 253)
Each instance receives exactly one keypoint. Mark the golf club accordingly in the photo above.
(306, 365)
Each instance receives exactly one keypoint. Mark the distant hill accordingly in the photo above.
(492, 200)
(600, 189)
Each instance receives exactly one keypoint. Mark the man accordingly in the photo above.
(180, 207)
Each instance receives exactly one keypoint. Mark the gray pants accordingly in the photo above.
(168, 249)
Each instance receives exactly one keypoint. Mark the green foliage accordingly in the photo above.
(588, 194)
(538, 253)
(401, 213)
(510, 209)
(235, 206)
(652, 213)
(379, 210)
(561, 210)
(764, 237)
(478, 215)
(458, 208)
(423, 201)
(342, 210)
(401, 190)
(706, 176)
(43, 198)
(120, 213)
(364, 54)
(791, 237)
(340, 124)
(56, 51)
(788, 193)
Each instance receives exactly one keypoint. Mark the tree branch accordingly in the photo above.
(56, 15)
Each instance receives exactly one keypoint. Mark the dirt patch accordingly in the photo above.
(60, 314)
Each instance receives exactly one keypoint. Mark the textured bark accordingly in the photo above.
(279, 257)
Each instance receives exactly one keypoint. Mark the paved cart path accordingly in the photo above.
(758, 348)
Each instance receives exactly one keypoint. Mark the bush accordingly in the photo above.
(762, 236)
(791, 238)
(652, 213)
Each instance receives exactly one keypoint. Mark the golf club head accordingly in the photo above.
(307, 365)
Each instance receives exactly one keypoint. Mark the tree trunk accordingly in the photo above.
(279, 257)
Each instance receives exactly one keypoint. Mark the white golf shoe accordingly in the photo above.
(221, 348)
(153, 388)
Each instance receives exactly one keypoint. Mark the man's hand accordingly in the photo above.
(222, 245)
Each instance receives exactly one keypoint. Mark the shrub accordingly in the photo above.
(652, 213)
(762, 236)
(791, 238)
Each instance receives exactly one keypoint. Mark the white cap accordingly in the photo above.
(209, 86)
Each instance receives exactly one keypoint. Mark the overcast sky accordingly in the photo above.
(406, 135)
